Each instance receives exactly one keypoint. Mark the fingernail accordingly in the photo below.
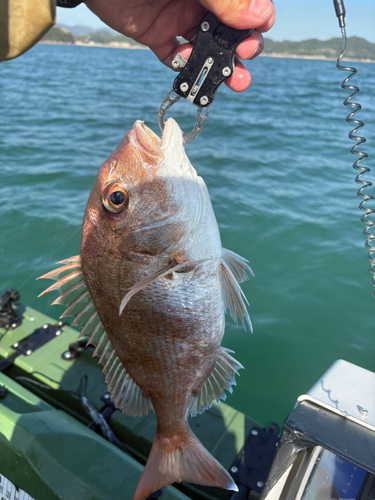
(259, 8)
(257, 51)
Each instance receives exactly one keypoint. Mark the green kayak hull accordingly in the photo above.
(46, 446)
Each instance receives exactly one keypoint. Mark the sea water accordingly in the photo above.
(277, 164)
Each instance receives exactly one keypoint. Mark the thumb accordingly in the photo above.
(243, 14)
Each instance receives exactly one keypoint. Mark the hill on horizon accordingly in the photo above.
(357, 48)
(60, 34)
(82, 30)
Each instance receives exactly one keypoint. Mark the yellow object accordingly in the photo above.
(22, 24)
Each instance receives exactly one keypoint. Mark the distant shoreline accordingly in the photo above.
(319, 58)
(125, 45)
(112, 45)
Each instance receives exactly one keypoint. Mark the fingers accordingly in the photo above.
(185, 50)
(240, 79)
(250, 47)
(243, 14)
(259, 14)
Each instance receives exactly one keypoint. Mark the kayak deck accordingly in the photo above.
(47, 448)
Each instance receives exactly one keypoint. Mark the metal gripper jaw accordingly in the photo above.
(210, 64)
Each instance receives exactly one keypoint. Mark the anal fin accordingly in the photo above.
(222, 378)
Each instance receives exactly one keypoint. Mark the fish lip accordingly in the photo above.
(146, 137)
(148, 140)
(171, 131)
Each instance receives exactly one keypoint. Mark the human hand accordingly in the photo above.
(156, 23)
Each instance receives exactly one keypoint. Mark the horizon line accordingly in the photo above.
(105, 27)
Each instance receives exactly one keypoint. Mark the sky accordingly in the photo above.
(295, 19)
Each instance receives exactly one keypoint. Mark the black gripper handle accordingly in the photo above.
(215, 42)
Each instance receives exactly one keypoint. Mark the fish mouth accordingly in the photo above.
(146, 138)
(171, 138)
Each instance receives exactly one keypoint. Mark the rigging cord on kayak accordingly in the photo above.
(355, 108)
(80, 393)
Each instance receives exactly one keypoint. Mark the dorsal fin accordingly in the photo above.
(89, 326)
(221, 378)
(125, 393)
(233, 296)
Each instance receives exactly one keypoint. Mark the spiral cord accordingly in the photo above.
(369, 213)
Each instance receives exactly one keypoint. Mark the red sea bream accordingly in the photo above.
(150, 288)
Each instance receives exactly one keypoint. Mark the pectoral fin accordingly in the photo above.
(170, 268)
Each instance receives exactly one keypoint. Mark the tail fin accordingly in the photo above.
(180, 458)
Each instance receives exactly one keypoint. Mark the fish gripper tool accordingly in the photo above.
(210, 64)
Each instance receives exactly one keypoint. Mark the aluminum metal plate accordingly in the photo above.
(9, 492)
(348, 390)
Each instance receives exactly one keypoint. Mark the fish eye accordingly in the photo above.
(115, 198)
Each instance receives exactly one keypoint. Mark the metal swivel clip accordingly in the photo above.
(210, 64)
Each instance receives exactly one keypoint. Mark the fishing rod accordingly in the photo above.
(369, 213)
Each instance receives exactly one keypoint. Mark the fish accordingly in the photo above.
(150, 289)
